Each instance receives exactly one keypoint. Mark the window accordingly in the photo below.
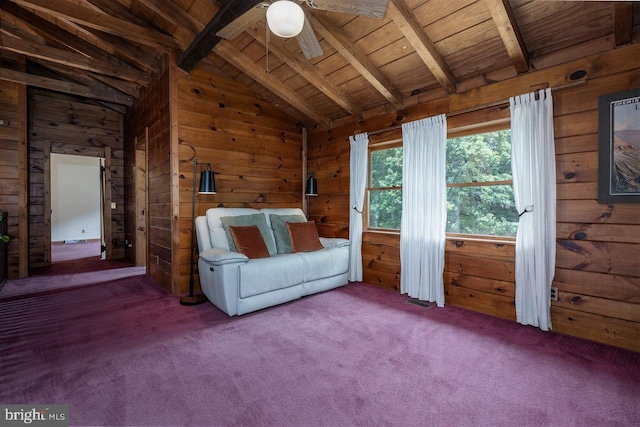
(479, 186)
(385, 188)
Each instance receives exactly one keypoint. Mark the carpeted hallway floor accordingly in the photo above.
(73, 265)
(126, 353)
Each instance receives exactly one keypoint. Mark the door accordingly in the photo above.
(103, 209)
(141, 208)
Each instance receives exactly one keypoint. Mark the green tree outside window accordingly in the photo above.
(479, 186)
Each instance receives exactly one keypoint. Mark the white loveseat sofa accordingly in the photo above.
(239, 285)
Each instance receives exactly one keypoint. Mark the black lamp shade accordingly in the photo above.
(312, 187)
(207, 182)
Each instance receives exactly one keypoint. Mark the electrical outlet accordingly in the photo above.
(554, 294)
(113, 205)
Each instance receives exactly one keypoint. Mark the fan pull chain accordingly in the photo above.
(267, 47)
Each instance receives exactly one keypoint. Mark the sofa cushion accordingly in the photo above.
(219, 256)
(281, 211)
(325, 263)
(304, 236)
(249, 241)
(215, 229)
(259, 276)
(334, 242)
(280, 232)
(245, 220)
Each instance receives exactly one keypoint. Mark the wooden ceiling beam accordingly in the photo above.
(174, 14)
(66, 87)
(309, 73)
(206, 40)
(55, 71)
(53, 32)
(121, 85)
(403, 18)
(73, 74)
(505, 21)
(141, 55)
(64, 57)
(116, 10)
(18, 32)
(127, 50)
(100, 21)
(184, 20)
(345, 47)
(622, 22)
(48, 30)
(231, 54)
(93, 80)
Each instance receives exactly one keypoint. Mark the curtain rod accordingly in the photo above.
(478, 107)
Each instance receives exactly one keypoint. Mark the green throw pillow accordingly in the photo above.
(280, 232)
(246, 220)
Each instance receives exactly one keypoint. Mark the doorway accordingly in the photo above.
(76, 208)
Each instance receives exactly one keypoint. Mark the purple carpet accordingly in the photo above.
(75, 258)
(41, 285)
(72, 251)
(126, 353)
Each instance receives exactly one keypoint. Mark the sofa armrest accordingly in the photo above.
(334, 242)
(219, 256)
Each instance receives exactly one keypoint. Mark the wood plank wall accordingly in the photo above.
(13, 163)
(129, 194)
(254, 149)
(597, 262)
(71, 125)
(150, 119)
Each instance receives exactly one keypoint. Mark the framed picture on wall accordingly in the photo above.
(619, 147)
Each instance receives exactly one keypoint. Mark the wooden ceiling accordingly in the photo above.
(421, 50)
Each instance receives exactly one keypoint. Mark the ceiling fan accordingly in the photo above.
(286, 18)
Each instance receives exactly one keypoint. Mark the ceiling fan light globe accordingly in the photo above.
(285, 18)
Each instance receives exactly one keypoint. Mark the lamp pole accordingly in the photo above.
(195, 299)
(311, 189)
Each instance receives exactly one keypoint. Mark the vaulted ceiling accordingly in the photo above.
(420, 50)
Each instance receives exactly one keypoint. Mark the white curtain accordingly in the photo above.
(534, 184)
(357, 185)
(424, 209)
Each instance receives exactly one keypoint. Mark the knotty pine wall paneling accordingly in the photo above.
(13, 166)
(597, 261)
(150, 121)
(328, 160)
(598, 258)
(129, 194)
(254, 149)
(65, 124)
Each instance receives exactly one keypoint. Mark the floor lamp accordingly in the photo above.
(207, 186)
(311, 190)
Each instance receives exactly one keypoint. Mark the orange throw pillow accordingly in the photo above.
(304, 236)
(249, 241)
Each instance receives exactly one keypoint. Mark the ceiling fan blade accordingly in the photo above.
(237, 26)
(308, 41)
(370, 8)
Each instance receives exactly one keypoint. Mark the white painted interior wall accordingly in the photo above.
(75, 197)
